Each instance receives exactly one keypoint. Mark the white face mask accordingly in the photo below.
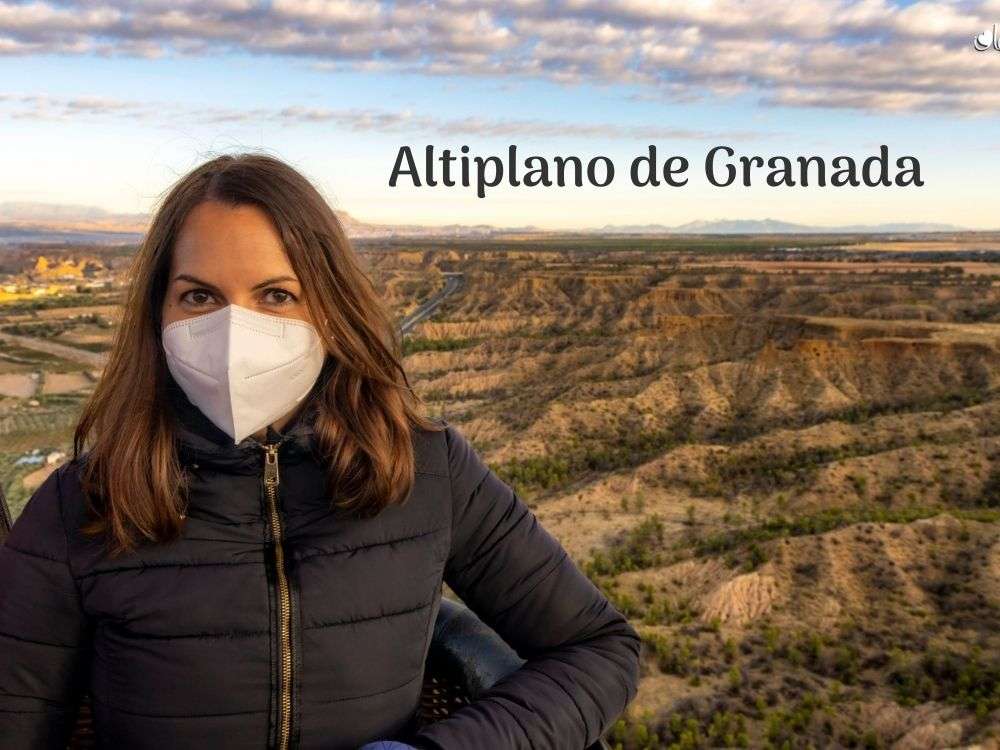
(243, 369)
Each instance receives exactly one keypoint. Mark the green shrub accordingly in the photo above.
(640, 548)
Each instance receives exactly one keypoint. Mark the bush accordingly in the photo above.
(945, 675)
(638, 549)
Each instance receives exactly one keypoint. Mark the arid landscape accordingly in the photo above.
(778, 455)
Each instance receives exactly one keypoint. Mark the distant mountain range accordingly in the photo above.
(78, 224)
(772, 226)
(22, 221)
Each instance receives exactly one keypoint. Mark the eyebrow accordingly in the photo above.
(213, 287)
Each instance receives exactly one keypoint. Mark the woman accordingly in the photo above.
(248, 546)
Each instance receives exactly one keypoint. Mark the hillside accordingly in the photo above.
(788, 477)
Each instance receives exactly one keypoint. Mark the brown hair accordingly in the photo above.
(364, 410)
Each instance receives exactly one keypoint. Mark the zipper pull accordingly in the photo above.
(271, 464)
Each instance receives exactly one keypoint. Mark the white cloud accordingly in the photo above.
(864, 54)
(96, 108)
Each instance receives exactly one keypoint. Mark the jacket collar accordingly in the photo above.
(198, 439)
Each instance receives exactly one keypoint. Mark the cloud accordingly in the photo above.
(871, 55)
(96, 108)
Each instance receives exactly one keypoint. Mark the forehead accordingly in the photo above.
(229, 240)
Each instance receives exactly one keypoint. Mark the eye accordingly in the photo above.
(197, 297)
(276, 296)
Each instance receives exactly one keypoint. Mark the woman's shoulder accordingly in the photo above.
(40, 528)
(449, 453)
(63, 490)
(430, 447)
(445, 450)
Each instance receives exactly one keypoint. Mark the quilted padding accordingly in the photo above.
(177, 643)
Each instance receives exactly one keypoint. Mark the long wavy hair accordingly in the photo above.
(365, 408)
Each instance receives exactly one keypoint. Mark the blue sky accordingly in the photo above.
(106, 103)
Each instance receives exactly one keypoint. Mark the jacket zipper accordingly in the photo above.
(271, 479)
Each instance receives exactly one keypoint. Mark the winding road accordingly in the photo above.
(453, 281)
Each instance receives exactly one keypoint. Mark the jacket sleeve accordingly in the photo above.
(43, 632)
(582, 655)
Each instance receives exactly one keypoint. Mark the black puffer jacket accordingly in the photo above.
(183, 644)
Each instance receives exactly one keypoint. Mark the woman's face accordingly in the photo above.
(231, 255)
